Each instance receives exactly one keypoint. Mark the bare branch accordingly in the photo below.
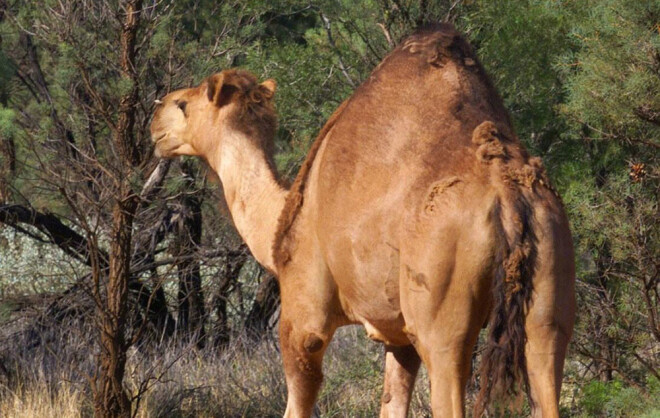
(342, 67)
(59, 234)
(387, 34)
(155, 180)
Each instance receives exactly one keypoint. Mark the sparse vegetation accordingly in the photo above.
(242, 380)
(582, 82)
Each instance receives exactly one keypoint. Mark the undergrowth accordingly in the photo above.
(247, 380)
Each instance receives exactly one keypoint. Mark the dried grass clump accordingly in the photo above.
(178, 380)
(39, 397)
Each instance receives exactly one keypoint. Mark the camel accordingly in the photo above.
(417, 214)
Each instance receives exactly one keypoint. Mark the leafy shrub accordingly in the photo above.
(615, 399)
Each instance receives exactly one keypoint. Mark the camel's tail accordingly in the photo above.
(503, 368)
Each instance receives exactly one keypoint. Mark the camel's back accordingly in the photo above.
(410, 124)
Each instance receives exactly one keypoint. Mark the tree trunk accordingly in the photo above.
(266, 302)
(230, 273)
(111, 399)
(190, 320)
(7, 145)
(221, 331)
(7, 168)
(154, 318)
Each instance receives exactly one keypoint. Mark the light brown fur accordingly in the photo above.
(417, 214)
(294, 198)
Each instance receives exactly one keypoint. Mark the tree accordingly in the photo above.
(612, 106)
(579, 78)
(84, 144)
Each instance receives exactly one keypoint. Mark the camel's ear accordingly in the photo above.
(218, 90)
(268, 87)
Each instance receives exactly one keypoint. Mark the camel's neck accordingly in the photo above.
(253, 195)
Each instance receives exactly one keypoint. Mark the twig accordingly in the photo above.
(155, 180)
(388, 37)
(342, 67)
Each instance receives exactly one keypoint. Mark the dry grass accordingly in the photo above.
(38, 398)
(245, 380)
(180, 381)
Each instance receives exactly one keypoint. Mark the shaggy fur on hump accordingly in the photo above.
(294, 199)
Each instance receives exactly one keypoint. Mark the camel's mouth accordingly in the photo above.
(156, 138)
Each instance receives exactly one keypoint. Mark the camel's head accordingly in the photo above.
(193, 121)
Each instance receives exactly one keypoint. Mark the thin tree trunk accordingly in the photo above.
(190, 321)
(111, 400)
(231, 270)
(7, 168)
(7, 145)
(221, 331)
(266, 302)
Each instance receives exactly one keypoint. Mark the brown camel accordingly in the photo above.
(417, 214)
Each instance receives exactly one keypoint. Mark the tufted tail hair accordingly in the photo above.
(503, 371)
(503, 368)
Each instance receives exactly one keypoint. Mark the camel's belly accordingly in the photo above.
(368, 287)
(382, 321)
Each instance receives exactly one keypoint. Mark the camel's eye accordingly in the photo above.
(181, 105)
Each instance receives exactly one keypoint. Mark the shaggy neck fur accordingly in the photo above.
(253, 194)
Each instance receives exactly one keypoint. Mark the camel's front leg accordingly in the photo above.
(401, 366)
(308, 320)
(302, 347)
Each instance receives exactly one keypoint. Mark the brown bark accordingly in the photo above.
(266, 302)
(111, 399)
(187, 229)
(231, 269)
(7, 145)
(7, 168)
(129, 148)
(190, 322)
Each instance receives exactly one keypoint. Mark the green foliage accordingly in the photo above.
(615, 399)
(580, 79)
(519, 43)
(613, 76)
(7, 127)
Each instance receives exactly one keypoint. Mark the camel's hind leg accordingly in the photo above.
(401, 366)
(548, 326)
(445, 300)
(443, 319)
(551, 316)
(545, 354)
(447, 355)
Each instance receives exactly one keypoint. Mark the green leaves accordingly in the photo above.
(7, 127)
(615, 72)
